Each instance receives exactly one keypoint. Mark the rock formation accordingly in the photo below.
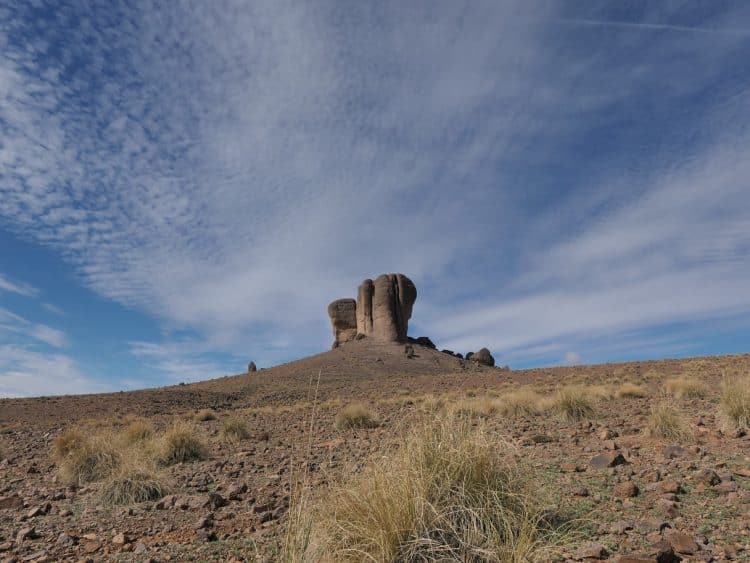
(343, 315)
(381, 312)
(251, 367)
(483, 357)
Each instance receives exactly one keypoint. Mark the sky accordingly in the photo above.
(185, 186)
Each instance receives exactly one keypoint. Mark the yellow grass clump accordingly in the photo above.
(451, 492)
(631, 391)
(685, 387)
(138, 430)
(666, 422)
(356, 415)
(573, 403)
(234, 429)
(134, 481)
(84, 460)
(480, 406)
(524, 402)
(734, 406)
(180, 443)
(205, 415)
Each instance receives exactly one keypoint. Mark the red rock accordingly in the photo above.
(681, 542)
(603, 461)
(11, 502)
(628, 489)
(591, 551)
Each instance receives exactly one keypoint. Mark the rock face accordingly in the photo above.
(381, 312)
(343, 315)
(251, 367)
(483, 357)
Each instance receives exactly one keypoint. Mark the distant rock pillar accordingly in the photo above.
(343, 315)
(384, 307)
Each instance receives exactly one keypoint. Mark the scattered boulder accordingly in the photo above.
(483, 357)
(602, 461)
(251, 367)
(423, 341)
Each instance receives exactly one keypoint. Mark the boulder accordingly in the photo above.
(390, 306)
(483, 357)
(343, 315)
(423, 341)
(251, 367)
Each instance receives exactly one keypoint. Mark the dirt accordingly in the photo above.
(690, 500)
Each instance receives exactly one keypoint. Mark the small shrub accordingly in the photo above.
(355, 415)
(132, 483)
(666, 422)
(205, 415)
(524, 402)
(432, 404)
(451, 492)
(573, 402)
(631, 391)
(734, 407)
(685, 388)
(71, 439)
(234, 429)
(93, 459)
(180, 443)
(138, 430)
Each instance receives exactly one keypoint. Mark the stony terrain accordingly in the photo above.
(633, 497)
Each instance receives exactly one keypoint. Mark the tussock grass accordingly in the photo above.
(137, 430)
(734, 406)
(3, 450)
(180, 443)
(451, 492)
(573, 403)
(666, 422)
(135, 481)
(630, 390)
(432, 403)
(524, 402)
(356, 415)
(85, 460)
(205, 415)
(685, 387)
(480, 406)
(234, 429)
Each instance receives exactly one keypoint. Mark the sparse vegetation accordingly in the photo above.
(524, 402)
(135, 481)
(573, 402)
(85, 460)
(734, 407)
(180, 443)
(356, 415)
(482, 407)
(666, 422)
(3, 450)
(205, 415)
(138, 430)
(630, 390)
(685, 387)
(234, 429)
(451, 492)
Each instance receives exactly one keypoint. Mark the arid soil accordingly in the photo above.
(652, 499)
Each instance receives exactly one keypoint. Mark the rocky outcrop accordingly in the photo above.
(381, 312)
(251, 367)
(483, 357)
(343, 315)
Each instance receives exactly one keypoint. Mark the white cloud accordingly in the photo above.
(15, 324)
(238, 167)
(16, 287)
(25, 372)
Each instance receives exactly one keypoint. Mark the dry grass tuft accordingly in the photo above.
(685, 387)
(85, 460)
(3, 450)
(138, 430)
(356, 415)
(573, 403)
(180, 443)
(666, 422)
(205, 415)
(234, 429)
(734, 407)
(135, 481)
(481, 407)
(451, 492)
(630, 390)
(524, 402)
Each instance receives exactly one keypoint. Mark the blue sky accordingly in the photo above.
(186, 186)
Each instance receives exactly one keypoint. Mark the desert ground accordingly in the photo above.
(628, 462)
